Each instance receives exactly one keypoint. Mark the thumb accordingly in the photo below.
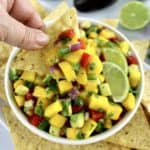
(17, 34)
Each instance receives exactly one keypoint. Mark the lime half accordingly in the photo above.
(134, 15)
(117, 80)
(115, 56)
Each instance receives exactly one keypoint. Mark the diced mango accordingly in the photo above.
(57, 74)
(129, 102)
(42, 93)
(108, 34)
(91, 47)
(101, 78)
(124, 45)
(28, 76)
(20, 100)
(89, 127)
(44, 102)
(114, 111)
(82, 77)
(72, 133)
(103, 39)
(53, 109)
(134, 78)
(21, 90)
(93, 35)
(95, 65)
(97, 102)
(64, 86)
(67, 70)
(58, 120)
(38, 80)
(74, 57)
(91, 86)
(107, 123)
(18, 82)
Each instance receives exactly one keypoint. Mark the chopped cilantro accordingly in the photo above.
(39, 110)
(100, 42)
(52, 86)
(30, 85)
(92, 66)
(44, 125)
(65, 40)
(47, 79)
(99, 127)
(78, 101)
(80, 135)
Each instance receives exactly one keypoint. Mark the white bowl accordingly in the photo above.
(96, 138)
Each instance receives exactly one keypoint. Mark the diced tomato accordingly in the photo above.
(85, 60)
(82, 44)
(35, 120)
(96, 115)
(76, 108)
(102, 58)
(29, 96)
(67, 34)
(132, 60)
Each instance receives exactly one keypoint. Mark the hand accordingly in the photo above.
(20, 25)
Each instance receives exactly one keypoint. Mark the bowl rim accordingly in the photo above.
(93, 139)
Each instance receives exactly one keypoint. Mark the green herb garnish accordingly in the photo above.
(99, 127)
(92, 66)
(47, 80)
(63, 51)
(30, 85)
(76, 67)
(13, 75)
(39, 110)
(92, 77)
(80, 135)
(44, 125)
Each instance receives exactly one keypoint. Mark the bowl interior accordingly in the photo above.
(99, 137)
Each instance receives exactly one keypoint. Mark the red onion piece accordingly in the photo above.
(75, 46)
(52, 68)
(74, 93)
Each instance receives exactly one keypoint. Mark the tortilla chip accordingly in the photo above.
(25, 140)
(136, 134)
(112, 22)
(57, 12)
(30, 60)
(146, 96)
(39, 8)
(141, 47)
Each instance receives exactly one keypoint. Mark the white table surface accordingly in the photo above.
(110, 12)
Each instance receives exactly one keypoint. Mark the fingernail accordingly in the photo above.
(42, 38)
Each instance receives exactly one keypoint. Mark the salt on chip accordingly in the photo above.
(25, 140)
(136, 134)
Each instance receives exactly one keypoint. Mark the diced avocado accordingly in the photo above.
(21, 90)
(28, 76)
(105, 89)
(58, 120)
(28, 107)
(54, 131)
(77, 120)
(67, 109)
(20, 100)
(88, 128)
(53, 109)
(64, 86)
(72, 133)
(129, 102)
